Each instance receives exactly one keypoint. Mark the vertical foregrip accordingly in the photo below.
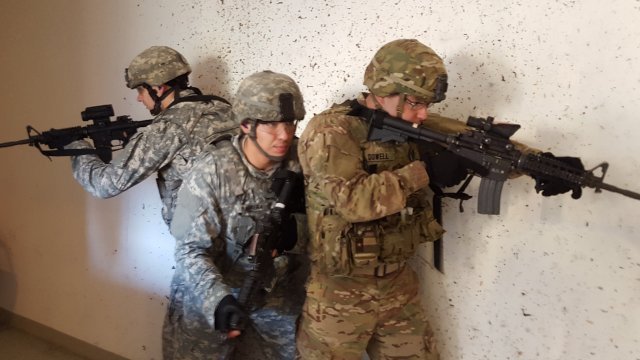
(489, 196)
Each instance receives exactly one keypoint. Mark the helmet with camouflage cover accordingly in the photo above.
(155, 66)
(268, 96)
(407, 66)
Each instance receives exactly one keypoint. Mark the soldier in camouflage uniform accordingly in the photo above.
(368, 211)
(228, 192)
(185, 121)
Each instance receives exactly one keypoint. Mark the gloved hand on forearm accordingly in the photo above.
(230, 315)
(553, 186)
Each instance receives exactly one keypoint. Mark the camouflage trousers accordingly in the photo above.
(270, 335)
(345, 316)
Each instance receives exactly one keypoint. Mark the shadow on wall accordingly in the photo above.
(479, 86)
(8, 283)
(212, 77)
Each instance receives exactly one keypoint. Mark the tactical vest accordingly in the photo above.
(341, 246)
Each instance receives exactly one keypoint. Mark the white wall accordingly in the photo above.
(549, 278)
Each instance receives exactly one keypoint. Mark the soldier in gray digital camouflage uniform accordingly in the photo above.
(231, 189)
(185, 121)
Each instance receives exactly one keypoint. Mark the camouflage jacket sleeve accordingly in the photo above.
(197, 227)
(147, 151)
(332, 163)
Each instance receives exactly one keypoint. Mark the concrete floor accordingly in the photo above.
(15, 344)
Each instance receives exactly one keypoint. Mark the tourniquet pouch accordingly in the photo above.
(364, 248)
(345, 246)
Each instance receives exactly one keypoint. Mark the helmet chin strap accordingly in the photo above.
(253, 137)
(399, 108)
(157, 100)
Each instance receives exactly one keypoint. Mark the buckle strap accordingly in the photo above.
(381, 270)
(386, 269)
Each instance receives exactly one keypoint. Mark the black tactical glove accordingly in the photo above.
(553, 186)
(445, 168)
(288, 235)
(230, 315)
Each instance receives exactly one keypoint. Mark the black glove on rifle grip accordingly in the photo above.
(554, 186)
(230, 315)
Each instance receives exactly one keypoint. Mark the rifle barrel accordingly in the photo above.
(615, 189)
(14, 143)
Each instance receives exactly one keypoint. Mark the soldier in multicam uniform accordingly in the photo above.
(185, 122)
(368, 211)
(228, 192)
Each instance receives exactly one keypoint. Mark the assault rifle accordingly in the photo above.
(260, 251)
(107, 135)
(487, 145)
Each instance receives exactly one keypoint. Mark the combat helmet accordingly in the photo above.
(155, 66)
(268, 96)
(406, 66)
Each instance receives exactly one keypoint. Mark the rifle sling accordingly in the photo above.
(438, 194)
(199, 98)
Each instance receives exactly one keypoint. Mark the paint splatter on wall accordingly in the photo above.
(550, 278)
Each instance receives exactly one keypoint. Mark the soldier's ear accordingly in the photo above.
(245, 126)
(160, 89)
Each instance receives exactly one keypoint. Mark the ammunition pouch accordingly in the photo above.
(241, 229)
(362, 248)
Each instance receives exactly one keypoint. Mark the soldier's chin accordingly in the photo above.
(279, 151)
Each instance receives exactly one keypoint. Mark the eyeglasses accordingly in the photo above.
(416, 105)
(274, 127)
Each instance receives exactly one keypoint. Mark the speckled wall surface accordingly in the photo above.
(549, 278)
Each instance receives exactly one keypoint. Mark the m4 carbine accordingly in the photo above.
(487, 145)
(107, 135)
(260, 253)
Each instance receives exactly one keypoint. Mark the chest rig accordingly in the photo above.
(394, 238)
